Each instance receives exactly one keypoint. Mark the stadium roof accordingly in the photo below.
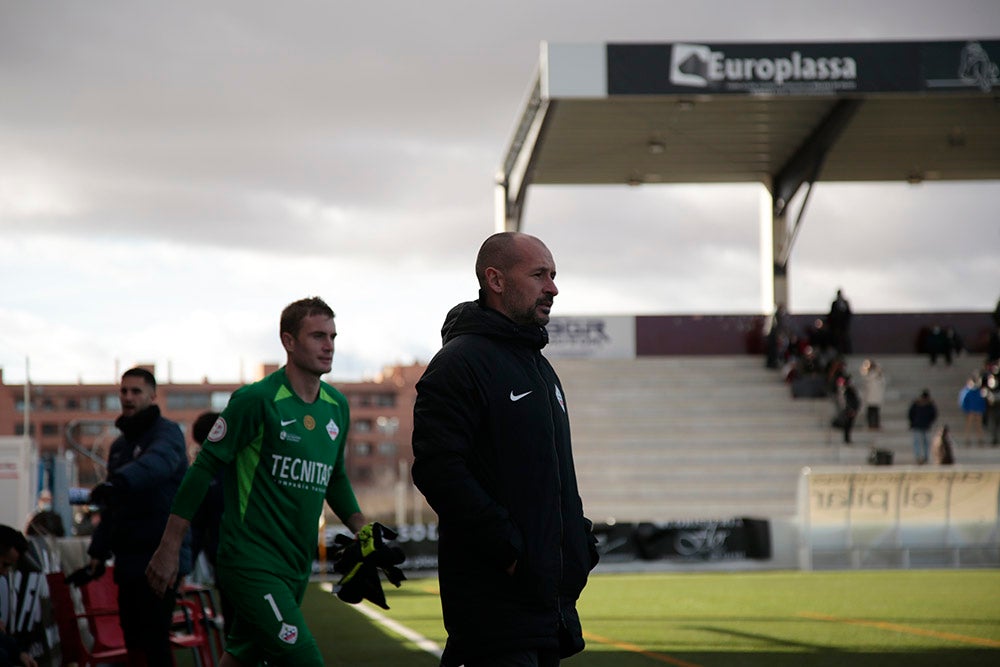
(778, 114)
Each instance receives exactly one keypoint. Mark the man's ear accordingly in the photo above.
(494, 280)
(287, 341)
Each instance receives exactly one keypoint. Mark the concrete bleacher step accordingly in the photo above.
(683, 438)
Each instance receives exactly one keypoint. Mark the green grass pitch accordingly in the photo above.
(778, 619)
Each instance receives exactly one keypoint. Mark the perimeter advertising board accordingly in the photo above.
(909, 508)
(591, 337)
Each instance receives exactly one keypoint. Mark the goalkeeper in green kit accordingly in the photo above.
(281, 444)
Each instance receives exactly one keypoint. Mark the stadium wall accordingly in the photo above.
(624, 337)
(871, 333)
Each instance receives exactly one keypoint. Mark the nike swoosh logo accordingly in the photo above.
(518, 397)
(286, 422)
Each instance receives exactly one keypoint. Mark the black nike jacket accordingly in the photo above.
(492, 455)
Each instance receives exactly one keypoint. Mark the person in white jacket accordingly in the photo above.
(873, 383)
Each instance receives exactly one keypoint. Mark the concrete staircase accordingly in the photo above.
(688, 438)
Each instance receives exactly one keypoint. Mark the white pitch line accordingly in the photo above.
(423, 643)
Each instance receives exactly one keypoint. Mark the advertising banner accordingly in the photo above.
(730, 539)
(591, 337)
(903, 508)
(802, 68)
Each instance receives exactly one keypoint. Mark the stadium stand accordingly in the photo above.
(713, 437)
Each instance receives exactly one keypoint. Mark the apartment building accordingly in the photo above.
(79, 419)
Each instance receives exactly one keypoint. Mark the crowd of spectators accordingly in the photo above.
(814, 363)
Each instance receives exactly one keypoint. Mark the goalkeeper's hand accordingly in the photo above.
(359, 561)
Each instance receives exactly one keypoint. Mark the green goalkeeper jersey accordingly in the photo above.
(282, 457)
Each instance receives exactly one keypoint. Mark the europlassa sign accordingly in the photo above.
(802, 68)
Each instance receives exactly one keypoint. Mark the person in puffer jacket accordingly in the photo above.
(146, 464)
(492, 455)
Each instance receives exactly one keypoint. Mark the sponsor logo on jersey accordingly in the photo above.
(299, 473)
(559, 397)
(333, 429)
(289, 437)
(309, 422)
(288, 633)
(218, 431)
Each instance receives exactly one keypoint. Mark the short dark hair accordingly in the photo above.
(295, 312)
(10, 537)
(141, 373)
(497, 251)
(202, 426)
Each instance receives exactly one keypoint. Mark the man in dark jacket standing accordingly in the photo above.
(145, 467)
(922, 415)
(492, 455)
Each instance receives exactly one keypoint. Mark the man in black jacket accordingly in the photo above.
(492, 455)
(145, 467)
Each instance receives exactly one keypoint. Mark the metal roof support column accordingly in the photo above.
(516, 173)
(773, 239)
(803, 168)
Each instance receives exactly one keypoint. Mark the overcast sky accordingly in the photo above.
(173, 174)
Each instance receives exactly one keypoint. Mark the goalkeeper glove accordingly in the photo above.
(360, 560)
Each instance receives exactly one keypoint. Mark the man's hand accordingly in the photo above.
(92, 570)
(103, 494)
(161, 573)
(27, 660)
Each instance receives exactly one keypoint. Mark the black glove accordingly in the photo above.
(103, 494)
(85, 575)
(360, 560)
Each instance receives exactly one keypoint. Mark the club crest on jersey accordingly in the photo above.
(288, 633)
(218, 431)
(333, 429)
(559, 397)
(309, 422)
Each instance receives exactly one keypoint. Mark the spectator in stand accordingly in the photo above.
(848, 403)
(873, 392)
(839, 321)
(973, 403)
(938, 345)
(955, 343)
(942, 448)
(922, 415)
(991, 387)
(778, 338)
(819, 339)
(993, 345)
(835, 371)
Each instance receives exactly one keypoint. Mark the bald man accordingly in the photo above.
(492, 455)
